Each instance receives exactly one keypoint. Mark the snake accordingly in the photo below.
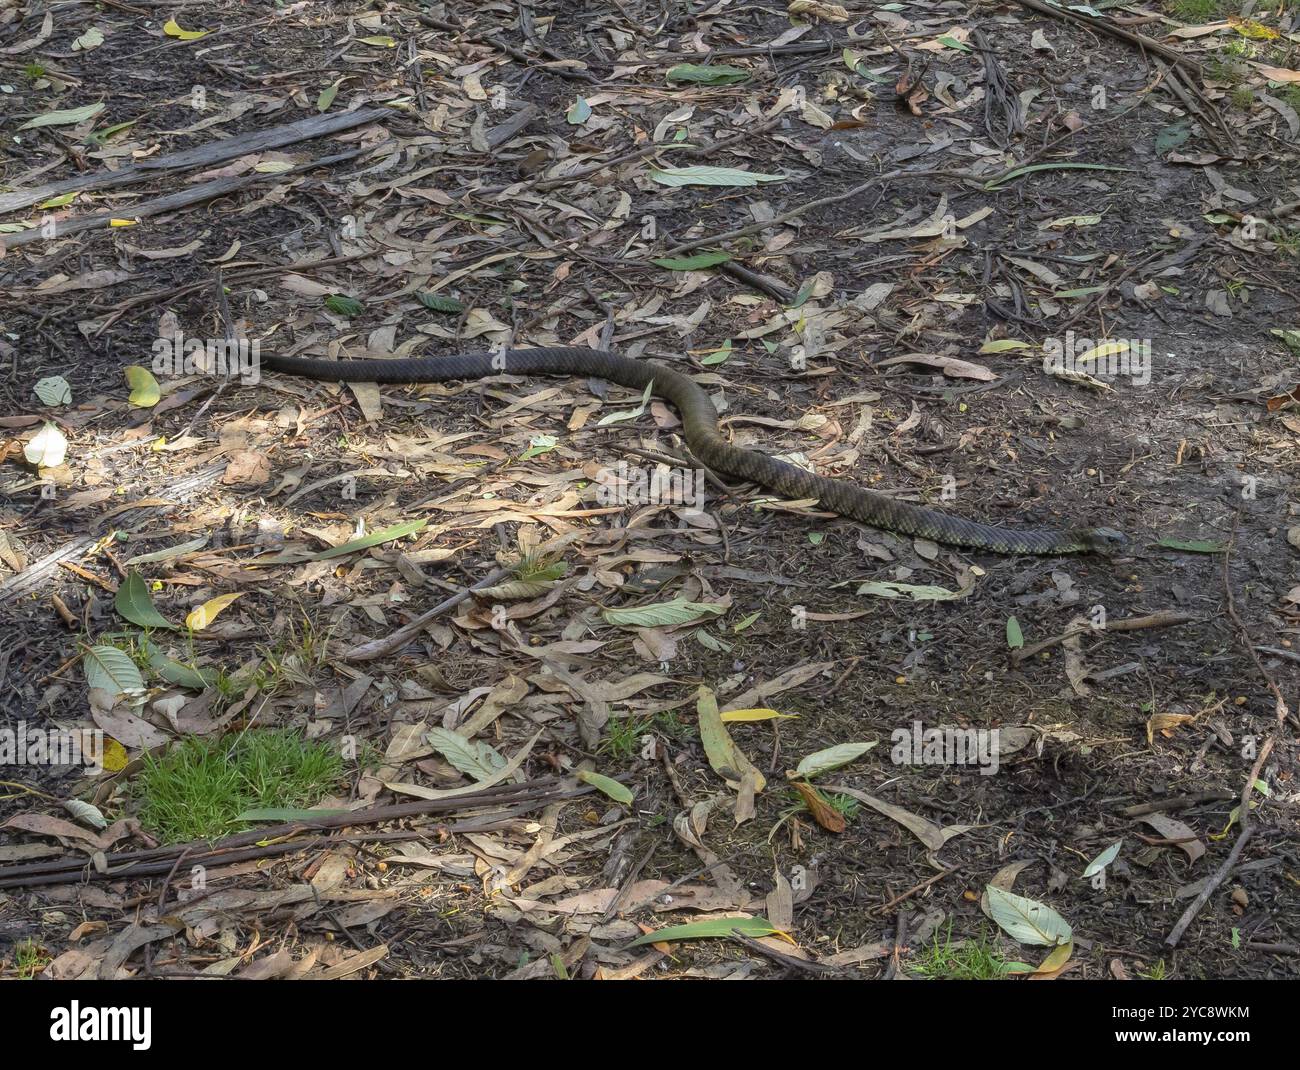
(707, 442)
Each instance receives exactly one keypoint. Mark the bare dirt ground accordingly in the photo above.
(882, 317)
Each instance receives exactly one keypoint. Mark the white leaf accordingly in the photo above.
(710, 176)
(832, 758)
(111, 670)
(53, 390)
(48, 447)
(1103, 860)
(1027, 921)
(85, 813)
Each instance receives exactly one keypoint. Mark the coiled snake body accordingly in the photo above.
(700, 422)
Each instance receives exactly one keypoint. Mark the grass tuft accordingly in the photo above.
(967, 960)
(198, 788)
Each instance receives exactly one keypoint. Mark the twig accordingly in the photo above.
(377, 648)
(816, 969)
(1163, 619)
(914, 890)
(1181, 802)
(1141, 41)
(1243, 810)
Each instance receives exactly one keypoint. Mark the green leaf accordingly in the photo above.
(1103, 860)
(1194, 546)
(740, 626)
(109, 669)
(1170, 137)
(53, 390)
(182, 675)
(716, 74)
(710, 176)
(1019, 171)
(135, 604)
(170, 551)
(343, 305)
(662, 615)
(805, 292)
(714, 927)
(100, 136)
(397, 531)
(832, 758)
(725, 758)
(145, 391)
(1289, 336)
(628, 414)
(579, 113)
(439, 303)
(1025, 920)
(616, 791)
(327, 96)
(477, 761)
(718, 356)
(1003, 345)
(1015, 637)
(692, 263)
(952, 42)
(537, 445)
(69, 117)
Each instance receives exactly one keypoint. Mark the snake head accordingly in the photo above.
(1103, 540)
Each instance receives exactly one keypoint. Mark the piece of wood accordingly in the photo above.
(213, 152)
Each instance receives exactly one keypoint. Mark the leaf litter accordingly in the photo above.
(193, 553)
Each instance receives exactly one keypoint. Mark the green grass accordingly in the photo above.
(1195, 11)
(1157, 972)
(623, 737)
(30, 959)
(198, 788)
(970, 960)
(1243, 97)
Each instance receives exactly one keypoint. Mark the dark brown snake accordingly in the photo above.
(700, 421)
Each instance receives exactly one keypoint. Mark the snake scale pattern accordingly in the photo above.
(700, 422)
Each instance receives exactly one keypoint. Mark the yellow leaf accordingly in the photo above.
(1106, 349)
(115, 757)
(1054, 964)
(200, 618)
(172, 29)
(144, 387)
(123, 222)
(1251, 28)
(754, 715)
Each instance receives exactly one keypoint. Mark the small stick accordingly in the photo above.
(1163, 619)
(914, 890)
(377, 648)
(1182, 802)
(817, 969)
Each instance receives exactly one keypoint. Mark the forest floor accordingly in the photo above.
(991, 259)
